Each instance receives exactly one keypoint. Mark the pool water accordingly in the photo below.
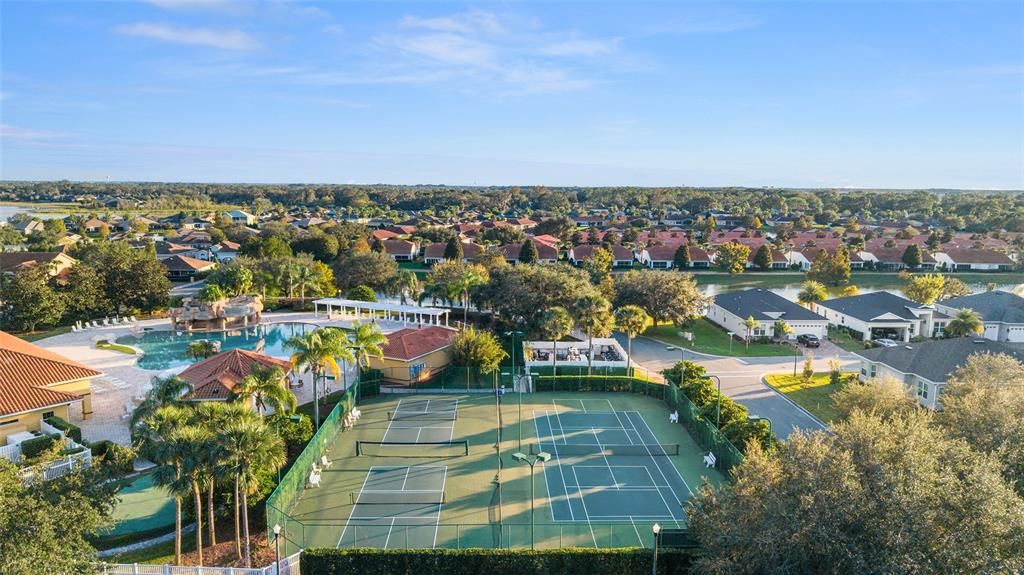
(165, 349)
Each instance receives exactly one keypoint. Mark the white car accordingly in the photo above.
(885, 342)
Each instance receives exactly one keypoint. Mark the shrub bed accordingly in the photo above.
(34, 447)
(493, 561)
(70, 429)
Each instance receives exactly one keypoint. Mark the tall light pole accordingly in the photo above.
(542, 456)
(277, 549)
(513, 333)
(731, 334)
(718, 408)
(654, 565)
(759, 418)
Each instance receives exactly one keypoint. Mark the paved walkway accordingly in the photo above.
(741, 378)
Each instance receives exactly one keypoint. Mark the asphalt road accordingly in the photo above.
(741, 379)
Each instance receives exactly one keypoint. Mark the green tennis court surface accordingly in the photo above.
(433, 472)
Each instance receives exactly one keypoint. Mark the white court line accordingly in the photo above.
(451, 427)
(585, 512)
(388, 538)
(356, 504)
(554, 444)
(401, 490)
(560, 428)
(437, 524)
(659, 471)
(624, 430)
(641, 539)
(603, 456)
(445, 427)
(651, 431)
(403, 517)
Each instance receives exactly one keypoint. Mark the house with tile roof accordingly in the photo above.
(882, 314)
(57, 263)
(401, 250)
(181, 268)
(1001, 312)
(434, 253)
(415, 354)
(216, 378)
(925, 367)
(975, 260)
(622, 257)
(545, 253)
(36, 383)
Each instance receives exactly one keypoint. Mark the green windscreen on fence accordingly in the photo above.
(286, 495)
(703, 431)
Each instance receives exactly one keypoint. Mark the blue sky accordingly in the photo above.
(822, 94)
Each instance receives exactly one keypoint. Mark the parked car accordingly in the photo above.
(886, 342)
(809, 340)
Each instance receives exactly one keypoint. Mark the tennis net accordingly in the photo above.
(369, 497)
(446, 415)
(456, 448)
(656, 449)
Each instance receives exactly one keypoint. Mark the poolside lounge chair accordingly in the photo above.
(106, 321)
(133, 319)
(325, 462)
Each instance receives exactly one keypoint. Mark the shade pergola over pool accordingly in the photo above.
(390, 311)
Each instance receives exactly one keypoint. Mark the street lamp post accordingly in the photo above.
(758, 418)
(657, 531)
(277, 549)
(718, 407)
(731, 334)
(542, 456)
(513, 333)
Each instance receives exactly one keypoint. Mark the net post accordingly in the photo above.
(358, 445)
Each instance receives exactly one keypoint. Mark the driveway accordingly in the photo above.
(741, 379)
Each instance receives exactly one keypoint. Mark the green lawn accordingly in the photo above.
(844, 340)
(711, 339)
(38, 335)
(815, 396)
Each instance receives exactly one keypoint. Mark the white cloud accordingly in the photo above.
(16, 133)
(468, 23)
(194, 4)
(579, 48)
(225, 39)
(448, 49)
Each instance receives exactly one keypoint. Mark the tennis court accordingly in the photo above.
(436, 471)
(608, 466)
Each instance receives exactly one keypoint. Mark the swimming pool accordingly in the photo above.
(165, 349)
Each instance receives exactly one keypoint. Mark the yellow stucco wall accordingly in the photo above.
(397, 370)
(83, 388)
(27, 421)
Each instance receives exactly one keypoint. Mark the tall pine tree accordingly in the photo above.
(681, 260)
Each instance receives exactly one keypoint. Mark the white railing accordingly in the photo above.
(68, 464)
(288, 566)
(49, 429)
(11, 452)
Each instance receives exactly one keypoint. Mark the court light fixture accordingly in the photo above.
(520, 456)
(544, 456)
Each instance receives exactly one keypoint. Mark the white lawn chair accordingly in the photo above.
(710, 460)
(74, 329)
(673, 417)
(314, 478)
(324, 462)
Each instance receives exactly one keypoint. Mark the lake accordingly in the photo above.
(6, 211)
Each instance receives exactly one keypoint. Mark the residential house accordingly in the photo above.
(226, 250)
(925, 367)
(977, 260)
(217, 378)
(180, 268)
(401, 250)
(26, 227)
(434, 253)
(731, 310)
(57, 263)
(36, 383)
(622, 257)
(585, 221)
(92, 225)
(663, 256)
(242, 218)
(165, 250)
(891, 259)
(1002, 313)
(415, 354)
(545, 253)
(882, 315)
(779, 260)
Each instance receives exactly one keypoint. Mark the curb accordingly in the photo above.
(764, 381)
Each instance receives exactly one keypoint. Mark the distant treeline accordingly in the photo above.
(957, 209)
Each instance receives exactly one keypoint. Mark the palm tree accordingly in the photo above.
(318, 351)
(201, 349)
(155, 435)
(965, 322)
(466, 281)
(631, 320)
(594, 314)
(366, 341)
(303, 277)
(812, 292)
(750, 324)
(162, 392)
(251, 449)
(265, 388)
(407, 286)
(556, 323)
(194, 445)
(782, 329)
(214, 416)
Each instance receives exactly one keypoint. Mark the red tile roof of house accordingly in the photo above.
(27, 369)
(217, 377)
(13, 261)
(436, 250)
(544, 251)
(410, 343)
(383, 234)
(975, 256)
(400, 247)
(586, 251)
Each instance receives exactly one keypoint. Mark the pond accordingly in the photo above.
(6, 211)
(166, 349)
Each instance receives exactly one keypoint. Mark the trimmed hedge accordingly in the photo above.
(583, 561)
(34, 447)
(70, 429)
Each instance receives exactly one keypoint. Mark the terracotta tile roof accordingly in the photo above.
(436, 250)
(13, 261)
(400, 247)
(978, 256)
(410, 343)
(25, 371)
(544, 251)
(383, 234)
(216, 377)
